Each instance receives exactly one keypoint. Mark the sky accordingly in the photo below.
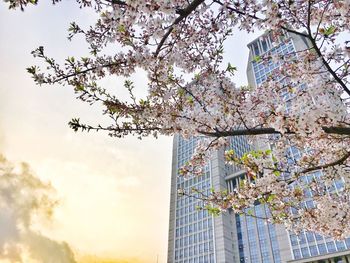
(113, 193)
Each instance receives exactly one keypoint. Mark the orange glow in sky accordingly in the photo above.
(114, 193)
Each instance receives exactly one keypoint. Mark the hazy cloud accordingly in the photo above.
(24, 201)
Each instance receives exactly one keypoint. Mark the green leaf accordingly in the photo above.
(230, 155)
(250, 212)
(70, 59)
(254, 154)
(220, 50)
(121, 28)
(241, 183)
(231, 69)
(277, 173)
(190, 100)
(328, 31)
(257, 59)
(181, 92)
(283, 215)
(270, 198)
(268, 152)
(79, 87)
(128, 83)
(143, 102)
(215, 211)
(31, 70)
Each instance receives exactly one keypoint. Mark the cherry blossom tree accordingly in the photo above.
(180, 45)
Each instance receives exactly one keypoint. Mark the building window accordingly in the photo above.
(296, 253)
(305, 252)
(256, 48)
(322, 248)
(313, 251)
(347, 241)
(331, 246)
(264, 44)
(340, 245)
(310, 237)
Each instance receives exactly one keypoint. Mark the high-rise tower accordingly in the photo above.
(305, 246)
(194, 235)
(197, 237)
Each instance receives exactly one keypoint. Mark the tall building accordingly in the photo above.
(306, 245)
(194, 235)
(197, 237)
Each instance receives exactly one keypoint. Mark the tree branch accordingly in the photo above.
(294, 31)
(117, 2)
(328, 67)
(340, 161)
(183, 13)
(235, 10)
(261, 131)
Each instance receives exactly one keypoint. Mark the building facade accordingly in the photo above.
(306, 245)
(197, 237)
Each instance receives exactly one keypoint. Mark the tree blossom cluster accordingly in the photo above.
(180, 45)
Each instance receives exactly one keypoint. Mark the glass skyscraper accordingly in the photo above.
(197, 237)
(192, 239)
(305, 245)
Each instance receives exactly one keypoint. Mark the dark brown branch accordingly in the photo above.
(261, 131)
(309, 36)
(66, 77)
(76, 125)
(328, 67)
(257, 131)
(309, 17)
(340, 161)
(337, 130)
(235, 10)
(117, 2)
(319, 53)
(294, 31)
(321, 19)
(183, 13)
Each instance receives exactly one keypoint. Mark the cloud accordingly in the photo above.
(47, 250)
(24, 201)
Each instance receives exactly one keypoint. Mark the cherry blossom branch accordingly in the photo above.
(294, 31)
(326, 64)
(76, 125)
(321, 19)
(117, 2)
(235, 10)
(206, 199)
(66, 77)
(308, 35)
(183, 13)
(262, 131)
(339, 161)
